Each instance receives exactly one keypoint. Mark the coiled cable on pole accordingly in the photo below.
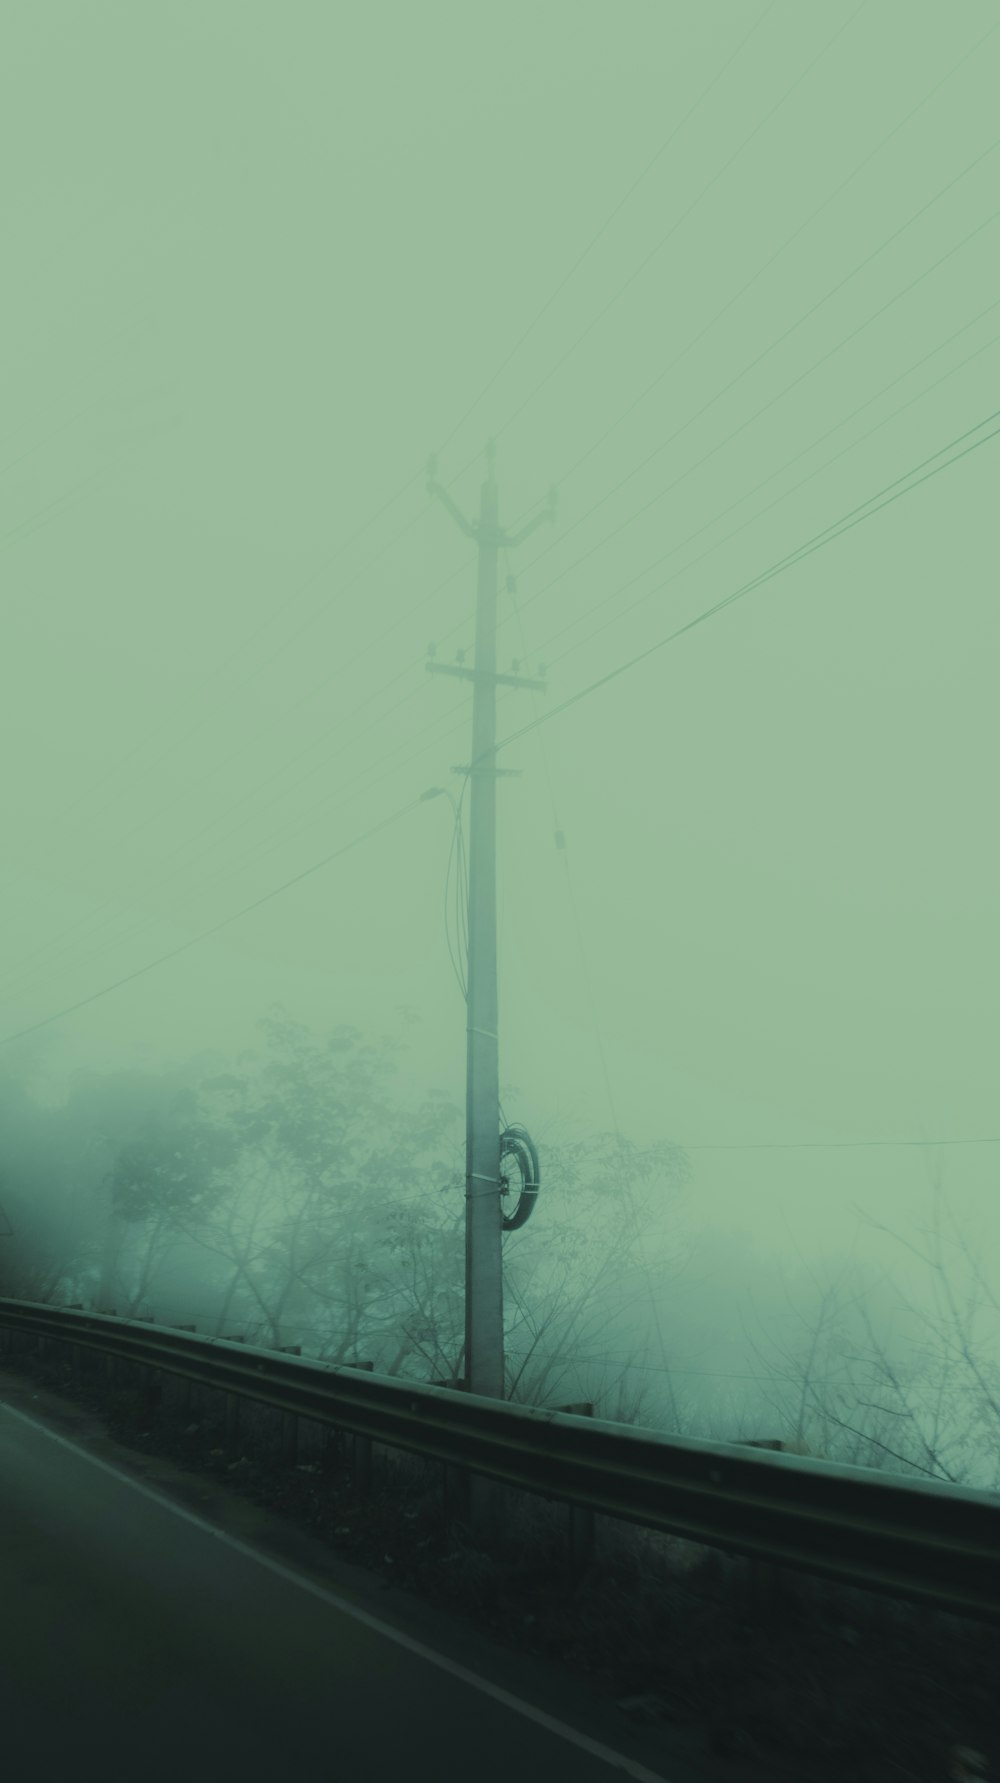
(518, 1159)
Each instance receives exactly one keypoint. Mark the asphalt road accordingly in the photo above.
(142, 1637)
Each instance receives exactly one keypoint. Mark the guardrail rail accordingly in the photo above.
(926, 1540)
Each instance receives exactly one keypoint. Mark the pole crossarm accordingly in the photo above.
(435, 488)
(497, 536)
(545, 518)
(528, 681)
(464, 674)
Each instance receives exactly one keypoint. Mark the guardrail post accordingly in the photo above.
(768, 1582)
(581, 1518)
(74, 1348)
(186, 1384)
(232, 1435)
(362, 1451)
(148, 1375)
(454, 1480)
(289, 1420)
(110, 1362)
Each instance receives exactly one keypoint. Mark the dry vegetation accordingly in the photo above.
(278, 1202)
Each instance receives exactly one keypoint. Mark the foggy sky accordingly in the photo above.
(261, 261)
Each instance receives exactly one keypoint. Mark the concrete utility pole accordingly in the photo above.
(484, 1348)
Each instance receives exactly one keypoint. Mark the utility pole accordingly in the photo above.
(484, 1347)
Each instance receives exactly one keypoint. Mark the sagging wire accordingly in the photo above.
(458, 952)
(458, 867)
(560, 844)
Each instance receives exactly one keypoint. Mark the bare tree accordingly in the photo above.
(921, 1399)
(610, 1213)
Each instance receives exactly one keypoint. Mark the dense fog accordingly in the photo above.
(736, 299)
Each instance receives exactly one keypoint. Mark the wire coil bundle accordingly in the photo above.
(518, 1161)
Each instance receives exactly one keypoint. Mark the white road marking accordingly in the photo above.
(629, 1766)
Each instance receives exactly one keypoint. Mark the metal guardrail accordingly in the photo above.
(926, 1540)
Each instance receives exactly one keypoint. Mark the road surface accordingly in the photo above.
(151, 1637)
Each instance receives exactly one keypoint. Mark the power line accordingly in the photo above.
(456, 855)
(647, 390)
(31, 522)
(136, 746)
(551, 299)
(107, 903)
(828, 1145)
(106, 909)
(560, 841)
(248, 641)
(175, 208)
(412, 479)
(860, 407)
(592, 243)
(728, 438)
(68, 421)
(846, 523)
(774, 343)
(661, 243)
(134, 314)
(723, 1374)
(213, 828)
(813, 214)
(257, 632)
(298, 702)
(689, 469)
(883, 498)
(361, 786)
(216, 927)
(759, 513)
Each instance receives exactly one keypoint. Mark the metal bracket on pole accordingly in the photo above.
(511, 773)
(478, 1194)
